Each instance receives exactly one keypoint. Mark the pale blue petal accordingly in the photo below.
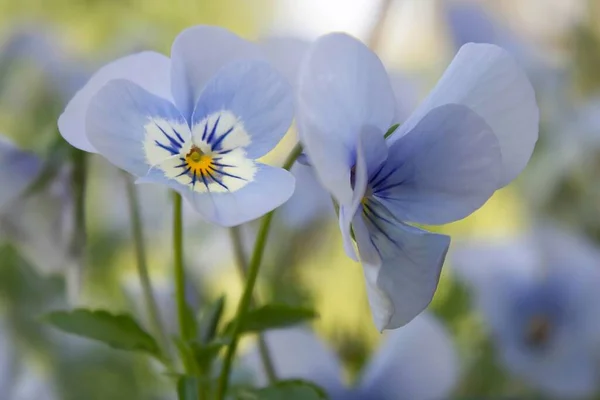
(257, 95)
(417, 362)
(115, 123)
(444, 169)
(270, 188)
(285, 54)
(309, 203)
(147, 69)
(298, 353)
(486, 79)
(197, 54)
(371, 153)
(406, 92)
(18, 170)
(402, 265)
(344, 89)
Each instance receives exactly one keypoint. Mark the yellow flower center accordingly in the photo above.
(198, 162)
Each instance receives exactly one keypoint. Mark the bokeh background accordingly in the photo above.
(49, 48)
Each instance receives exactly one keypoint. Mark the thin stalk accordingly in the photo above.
(253, 269)
(79, 238)
(184, 329)
(242, 264)
(137, 232)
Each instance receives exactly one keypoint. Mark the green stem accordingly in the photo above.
(240, 257)
(184, 329)
(244, 304)
(137, 231)
(79, 238)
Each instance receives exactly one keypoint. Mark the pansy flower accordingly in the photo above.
(417, 362)
(196, 122)
(539, 297)
(473, 134)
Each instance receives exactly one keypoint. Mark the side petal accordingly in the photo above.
(18, 170)
(402, 265)
(259, 98)
(148, 69)
(270, 188)
(298, 353)
(418, 361)
(343, 89)
(486, 79)
(197, 54)
(285, 54)
(117, 124)
(444, 169)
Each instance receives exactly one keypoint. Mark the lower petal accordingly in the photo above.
(402, 265)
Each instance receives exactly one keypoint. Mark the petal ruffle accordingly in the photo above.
(487, 79)
(402, 265)
(343, 89)
(260, 101)
(148, 69)
(441, 171)
(197, 54)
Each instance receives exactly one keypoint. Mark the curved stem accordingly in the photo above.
(137, 231)
(244, 304)
(240, 258)
(184, 329)
(79, 238)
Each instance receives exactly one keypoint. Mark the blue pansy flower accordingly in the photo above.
(473, 134)
(196, 122)
(539, 297)
(417, 362)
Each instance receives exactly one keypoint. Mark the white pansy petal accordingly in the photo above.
(343, 89)
(148, 69)
(197, 54)
(487, 79)
(298, 353)
(417, 362)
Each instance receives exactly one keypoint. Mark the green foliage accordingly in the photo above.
(391, 131)
(210, 319)
(273, 316)
(287, 389)
(119, 331)
(187, 388)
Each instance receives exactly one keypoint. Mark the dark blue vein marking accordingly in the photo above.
(380, 181)
(214, 130)
(376, 174)
(170, 149)
(391, 186)
(205, 130)
(178, 136)
(194, 179)
(204, 180)
(226, 173)
(221, 152)
(185, 171)
(222, 165)
(376, 214)
(182, 165)
(173, 142)
(379, 228)
(217, 144)
(216, 180)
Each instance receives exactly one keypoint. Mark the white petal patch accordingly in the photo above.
(211, 158)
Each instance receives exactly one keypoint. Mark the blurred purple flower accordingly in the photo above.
(416, 362)
(539, 297)
(194, 123)
(472, 135)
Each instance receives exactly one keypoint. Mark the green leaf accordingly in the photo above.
(205, 353)
(211, 317)
(273, 316)
(187, 388)
(289, 390)
(191, 325)
(391, 131)
(119, 331)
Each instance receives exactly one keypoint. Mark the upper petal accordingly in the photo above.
(148, 69)
(260, 100)
(269, 188)
(486, 79)
(402, 265)
(133, 128)
(18, 170)
(298, 353)
(197, 54)
(285, 54)
(418, 361)
(343, 89)
(441, 171)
